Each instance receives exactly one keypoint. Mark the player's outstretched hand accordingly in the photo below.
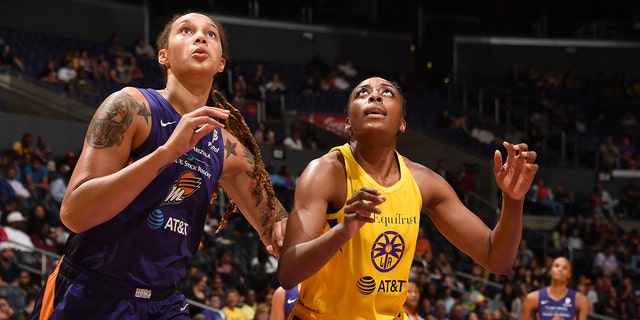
(515, 176)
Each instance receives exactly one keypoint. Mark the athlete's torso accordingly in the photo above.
(562, 309)
(367, 278)
(151, 240)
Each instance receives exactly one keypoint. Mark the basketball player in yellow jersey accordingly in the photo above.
(353, 227)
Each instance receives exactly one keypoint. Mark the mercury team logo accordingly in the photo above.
(187, 184)
(387, 250)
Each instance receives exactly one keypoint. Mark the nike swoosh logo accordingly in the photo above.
(290, 301)
(164, 124)
(185, 307)
(543, 302)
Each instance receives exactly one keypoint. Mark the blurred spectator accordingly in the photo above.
(605, 262)
(339, 81)
(36, 178)
(24, 148)
(82, 84)
(101, 68)
(120, 73)
(134, 69)
(466, 181)
(59, 183)
(6, 310)
(264, 135)
(630, 199)
(483, 135)
(85, 62)
(143, 50)
(256, 84)
(66, 72)
(310, 87)
(627, 154)
(543, 195)
(49, 73)
(114, 47)
(447, 120)
(445, 173)
(293, 141)
(46, 239)
(601, 201)
(524, 253)
(9, 270)
(196, 291)
(275, 84)
(8, 60)
(43, 151)
(214, 301)
(18, 189)
(248, 304)
(310, 141)
(566, 198)
(16, 233)
(609, 153)
(263, 311)
(410, 306)
(231, 309)
(346, 67)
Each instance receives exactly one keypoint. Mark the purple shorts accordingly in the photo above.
(72, 292)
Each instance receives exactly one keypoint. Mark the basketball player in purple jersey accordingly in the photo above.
(141, 191)
(557, 301)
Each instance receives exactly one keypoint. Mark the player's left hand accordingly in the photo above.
(515, 176)
(277, 237)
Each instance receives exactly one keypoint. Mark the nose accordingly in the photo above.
(375, 96)
(200, 38)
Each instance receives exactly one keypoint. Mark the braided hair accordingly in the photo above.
(236, 125)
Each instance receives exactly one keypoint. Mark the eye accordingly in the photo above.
(211, 34)
(185, 30)
(362, 91)
(387, 92)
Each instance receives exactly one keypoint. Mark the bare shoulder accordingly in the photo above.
(331, 162)
(325, 178)
(417, 169)
(122, 113)
(425, 177)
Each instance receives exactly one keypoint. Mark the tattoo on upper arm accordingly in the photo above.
(230, 147)
(251, 159)
(108, 127)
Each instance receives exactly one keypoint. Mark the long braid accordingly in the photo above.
(239, 128)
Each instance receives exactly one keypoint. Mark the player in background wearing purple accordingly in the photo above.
(557, 301)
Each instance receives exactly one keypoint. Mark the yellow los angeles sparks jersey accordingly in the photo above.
(367, 278)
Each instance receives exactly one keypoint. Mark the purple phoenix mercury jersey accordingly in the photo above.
(150, 241)
(563, 309)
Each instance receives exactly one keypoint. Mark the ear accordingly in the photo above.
(403, 126)
(162, 57)
(347, 127)
(223, 63)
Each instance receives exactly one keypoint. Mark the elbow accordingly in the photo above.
(72, 224)
(500, 268)
(285, 281)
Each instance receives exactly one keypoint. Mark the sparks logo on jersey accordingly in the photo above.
(387, 251)
(187, 184)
